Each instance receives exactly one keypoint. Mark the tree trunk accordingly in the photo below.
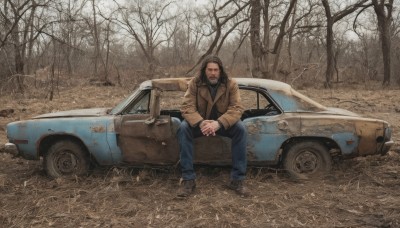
(386, 45)
(290, 39)
(279, 40)
(330, 20)
(276, 62)
(384, 20)
(69, 41)
(329, 53)
(267, 31)
(30, 44)
(256, 46)
(18, 58)
(329, 45)
(96, 40)
(107, 52)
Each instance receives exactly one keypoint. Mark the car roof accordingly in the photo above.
(265, 83)
(175, 84)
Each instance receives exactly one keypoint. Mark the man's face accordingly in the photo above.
(212, 73)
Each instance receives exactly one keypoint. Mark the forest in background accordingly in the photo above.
(314, 41)
(54, 49)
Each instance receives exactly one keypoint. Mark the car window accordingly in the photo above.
(124, 102)
(253, 100)
(256, 104)
(142, 105)
(172, 100)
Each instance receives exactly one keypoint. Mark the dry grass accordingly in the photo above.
(362, 192)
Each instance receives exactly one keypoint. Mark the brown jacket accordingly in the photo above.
(227, 101)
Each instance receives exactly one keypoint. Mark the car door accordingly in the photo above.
(207, 150)
(144, 136)
(268, 127)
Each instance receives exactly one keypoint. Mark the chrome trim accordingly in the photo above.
(389, 143)
(11, 148)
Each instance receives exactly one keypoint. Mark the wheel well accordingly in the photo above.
(48, 141)
(332, 146)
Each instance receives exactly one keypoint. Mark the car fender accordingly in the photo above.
(267, 134)
(96, 133)
(355, 136)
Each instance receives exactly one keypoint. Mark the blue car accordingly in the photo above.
(285, 128)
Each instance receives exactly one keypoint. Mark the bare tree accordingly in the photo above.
(193, 36)
(144, 21)
(243, 34)
(95, 32)
(258, 51)
(70, 17)
(19, 30)
(221, 15)
(109, 21)
(383, 10)
(11, 19)
(284, 19)
(282, 32)
(268, 38)
(330, 21)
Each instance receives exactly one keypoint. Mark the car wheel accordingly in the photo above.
(66, 158)
(306, 160)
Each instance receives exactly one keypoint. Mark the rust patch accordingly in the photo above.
(314, 126)
(171, 84)
(98, 129)
(253, 129)
(368, 132)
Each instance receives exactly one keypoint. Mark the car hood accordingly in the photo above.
(75, 113)
(339, 111)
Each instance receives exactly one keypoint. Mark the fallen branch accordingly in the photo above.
(340, 102)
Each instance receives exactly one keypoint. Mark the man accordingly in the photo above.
(212, 106)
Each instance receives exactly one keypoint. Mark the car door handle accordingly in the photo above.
(149, 121)
(157, 122)
(161, 122)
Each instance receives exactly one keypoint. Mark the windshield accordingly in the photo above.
(124, 103)
(293, 101)
(307, 104)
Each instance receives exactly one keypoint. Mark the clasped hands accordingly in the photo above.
(209, 127)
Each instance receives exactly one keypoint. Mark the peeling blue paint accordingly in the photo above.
(97, 134)
(343, 140)
(299, 117)
(265, 147)
(264, 138)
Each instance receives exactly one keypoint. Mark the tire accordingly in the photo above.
(307, 160)
(66, 158)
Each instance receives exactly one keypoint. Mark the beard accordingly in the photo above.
(213, 81)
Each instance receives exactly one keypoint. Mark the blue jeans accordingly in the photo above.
(238, 134)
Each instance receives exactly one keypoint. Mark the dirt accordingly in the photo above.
(360, 192)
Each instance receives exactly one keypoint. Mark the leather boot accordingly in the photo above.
(239, 188)
(186, 188)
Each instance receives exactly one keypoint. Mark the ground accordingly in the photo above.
(360, 192)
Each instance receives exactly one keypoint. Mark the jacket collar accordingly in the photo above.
(205, 93)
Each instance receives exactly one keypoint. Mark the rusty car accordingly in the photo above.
(285, 129)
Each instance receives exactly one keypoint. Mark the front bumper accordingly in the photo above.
(386, 146)
(11, 148)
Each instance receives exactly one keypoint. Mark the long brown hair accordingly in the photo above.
(213, 59)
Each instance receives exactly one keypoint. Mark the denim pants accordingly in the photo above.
(238, 134)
